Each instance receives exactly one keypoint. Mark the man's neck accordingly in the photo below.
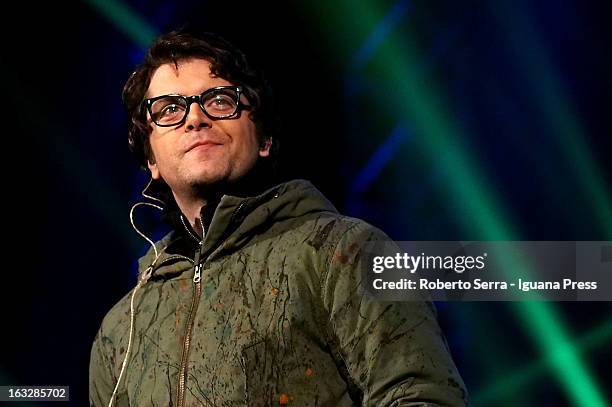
(192, 207)
(204, 199)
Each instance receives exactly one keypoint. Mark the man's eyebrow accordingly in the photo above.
(147, 95)
(162, 94)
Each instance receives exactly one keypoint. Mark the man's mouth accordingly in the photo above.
(202, 145)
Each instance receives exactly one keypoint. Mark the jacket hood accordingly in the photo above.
(237, 219)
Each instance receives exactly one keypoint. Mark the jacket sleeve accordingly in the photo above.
(101, 379)
(394, 352)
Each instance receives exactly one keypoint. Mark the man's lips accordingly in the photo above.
(202, 145)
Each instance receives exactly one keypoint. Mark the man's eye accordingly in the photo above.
(221, 102)
(170, 110)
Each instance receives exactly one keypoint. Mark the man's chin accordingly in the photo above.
(208, 174)
(206, 181)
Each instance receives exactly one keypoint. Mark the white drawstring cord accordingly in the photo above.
(142, 279)
(138, 230)
(149, 196)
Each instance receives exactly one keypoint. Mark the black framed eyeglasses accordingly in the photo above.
(221, 102)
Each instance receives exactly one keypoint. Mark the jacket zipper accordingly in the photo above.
(194, 237)
(197, 277)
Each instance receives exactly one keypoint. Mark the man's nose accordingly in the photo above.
(196, 119)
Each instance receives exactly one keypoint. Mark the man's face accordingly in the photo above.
(200, 151)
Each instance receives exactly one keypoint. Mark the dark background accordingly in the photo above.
(431, 120)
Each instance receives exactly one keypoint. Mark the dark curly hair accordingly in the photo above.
(226, 61)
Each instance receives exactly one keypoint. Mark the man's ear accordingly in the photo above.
(264, 148)
(154, 170)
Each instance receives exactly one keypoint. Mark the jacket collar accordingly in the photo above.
(236, 220)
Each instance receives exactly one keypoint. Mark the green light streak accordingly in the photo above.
(480, 213)
(511, 383)
(126, 20)
(548, 92)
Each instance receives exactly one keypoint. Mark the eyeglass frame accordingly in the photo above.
(189, 100)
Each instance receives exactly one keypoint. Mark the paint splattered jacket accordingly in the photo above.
(277, 317)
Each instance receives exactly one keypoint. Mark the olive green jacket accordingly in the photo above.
(277, 317)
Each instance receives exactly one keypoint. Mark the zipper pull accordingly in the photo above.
(197, 276)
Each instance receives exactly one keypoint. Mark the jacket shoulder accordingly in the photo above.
(340, 229)
(116, 322)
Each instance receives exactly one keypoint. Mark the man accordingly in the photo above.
(255, 297)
